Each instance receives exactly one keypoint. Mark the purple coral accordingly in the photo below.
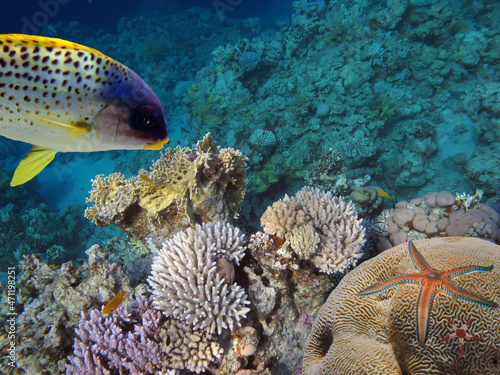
(124, 341)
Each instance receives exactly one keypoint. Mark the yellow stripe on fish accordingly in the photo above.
(64, 97)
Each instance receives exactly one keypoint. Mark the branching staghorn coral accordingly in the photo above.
(186, 186)
(187, 281)
(341, 233)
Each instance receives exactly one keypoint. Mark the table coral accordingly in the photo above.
(184, 187)
(377, 334)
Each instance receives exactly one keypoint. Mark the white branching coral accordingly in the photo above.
(335, 221)
(186, 282)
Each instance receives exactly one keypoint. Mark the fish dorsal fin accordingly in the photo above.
(74, 129)
(44, 42)
(32, 164)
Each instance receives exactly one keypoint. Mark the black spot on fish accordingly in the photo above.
(17, 75)
(6, 49)
(58, 53)
(45, 68)
(49, 49)
(45, 94)
(99, 60)
(25, 56)
(27, 99)
(67, 54)
(26, 64)
(55, 62)
(66, 72)
(79, 79)
(37, 100)
(58, 71)
(12, 62)
(45, 59)
(76, 64)
(2, 63)
(54, 94)
(57, 102)
(80, 54)
(1, 74)
(12, 53)
(36, 49)
(34, 68)
(36, 58)
(24, 49)
(25, 87)
(36, 79)
(2, 84)
(65, 82)
(70, 88)
(8, 74)
(68, 60)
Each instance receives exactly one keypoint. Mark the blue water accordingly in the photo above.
(408, 96)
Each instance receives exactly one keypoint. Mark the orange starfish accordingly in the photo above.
(432, 282)
(461, 334)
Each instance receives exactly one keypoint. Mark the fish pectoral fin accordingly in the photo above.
(73, 129)
(32, 164)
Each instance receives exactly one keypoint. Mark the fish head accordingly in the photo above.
(131, 116)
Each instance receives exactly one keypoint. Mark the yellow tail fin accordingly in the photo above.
(32, 164)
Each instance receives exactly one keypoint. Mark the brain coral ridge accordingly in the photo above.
(341, 233)
(187, 284)
(377, 334)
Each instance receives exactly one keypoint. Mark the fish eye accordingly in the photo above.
(143, 118)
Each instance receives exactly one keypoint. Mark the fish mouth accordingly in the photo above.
(156, 145)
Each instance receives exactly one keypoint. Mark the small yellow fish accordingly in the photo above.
(147, 179)
(115, 302)
(384, 194)
(64, 97)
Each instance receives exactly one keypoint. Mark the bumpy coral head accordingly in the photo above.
(380, 332)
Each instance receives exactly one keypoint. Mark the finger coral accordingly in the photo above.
(187, 284)
(184, 187)
(335, 221)
(378, 333)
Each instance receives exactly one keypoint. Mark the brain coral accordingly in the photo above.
(377, 334)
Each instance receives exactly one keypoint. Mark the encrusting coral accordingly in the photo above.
(436, 215)
(187, 282)
(341, 234)
(185, 186)
(361, 333)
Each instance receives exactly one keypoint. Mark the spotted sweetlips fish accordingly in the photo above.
(64, 97)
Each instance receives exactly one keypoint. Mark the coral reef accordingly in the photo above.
(335, 222)
(185, 186)
(436, 215)
(377, 334)
(193, 277)
(51, 301)
(128, 340)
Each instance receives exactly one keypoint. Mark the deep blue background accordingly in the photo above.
(18, 15)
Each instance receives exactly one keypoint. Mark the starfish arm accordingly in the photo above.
(393, 281)
(417, 258)
(450, 336)
(454, 272)
(424, 307)
(455, 291)
(462, 351)
(474, 337)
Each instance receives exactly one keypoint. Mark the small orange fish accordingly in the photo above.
(115, 302)
(384, 194)
(147, 179)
